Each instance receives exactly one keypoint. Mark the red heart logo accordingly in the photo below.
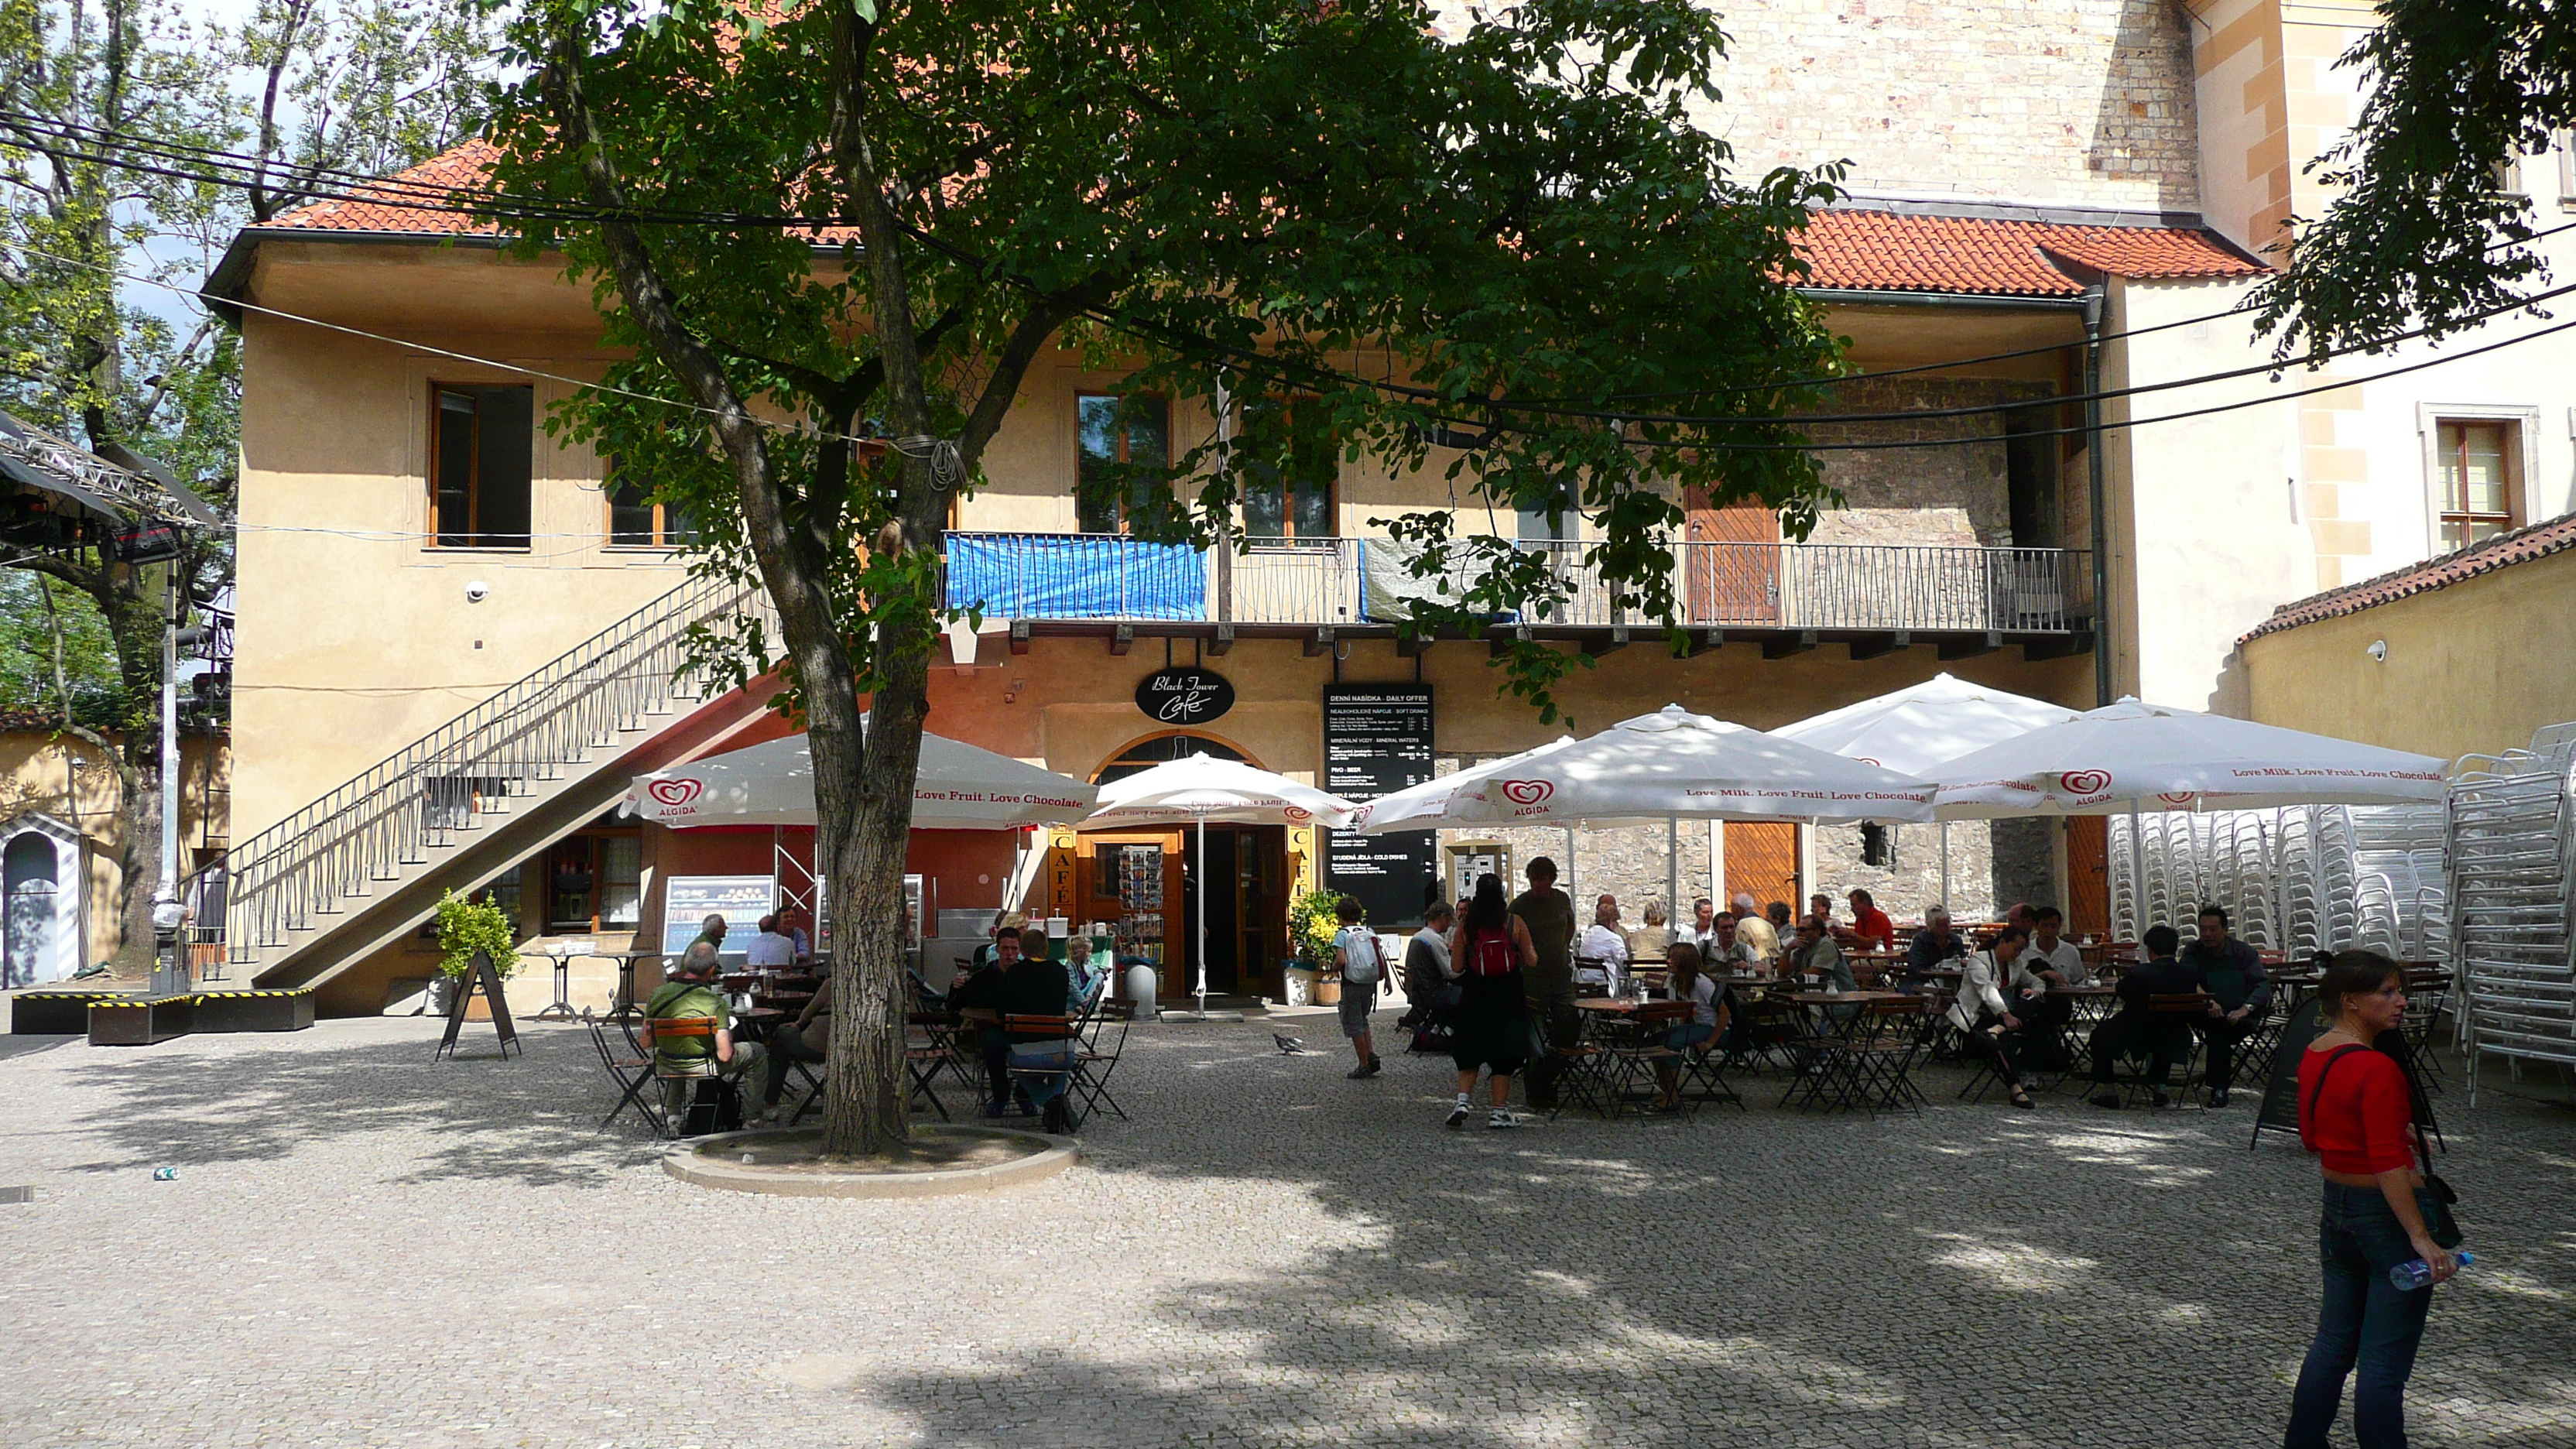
(676, 793)
(1528, 792)
(1297, 815)
(1866, 760)
(2084, 782)
(2183, 798)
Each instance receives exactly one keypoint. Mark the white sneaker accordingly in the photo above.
(1458, 1114)
(1501, 1119)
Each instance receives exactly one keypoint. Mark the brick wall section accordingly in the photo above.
(1957, 496)
(2085, 103)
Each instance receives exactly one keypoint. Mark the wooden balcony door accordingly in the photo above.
(1738, 586)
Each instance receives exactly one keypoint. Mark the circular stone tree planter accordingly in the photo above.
(944, 1160)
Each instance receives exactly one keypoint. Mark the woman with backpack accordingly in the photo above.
(2356, 1115)
(1489, 952)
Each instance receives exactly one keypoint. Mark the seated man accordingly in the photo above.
(2241, 993)
(983, 989)
(773, 949)
(1728, 954)
(1998, 1007)
(1032, 985)
(806, 1039)
(2164, 1039)
(681, 1062)
(2054, 964)
(1870, 925)
(1934, 946)
(1821, 906)
(1601, 954)
(1754, 927)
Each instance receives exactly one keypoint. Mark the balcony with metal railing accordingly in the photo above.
(1873, 596)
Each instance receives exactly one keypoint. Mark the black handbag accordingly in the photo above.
(2435, 1198)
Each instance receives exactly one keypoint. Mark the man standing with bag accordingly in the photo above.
(1363, 963)
(1549, 915)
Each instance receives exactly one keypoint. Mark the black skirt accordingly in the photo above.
(1492, 1024)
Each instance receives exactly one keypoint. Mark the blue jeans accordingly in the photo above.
(2365, 1320)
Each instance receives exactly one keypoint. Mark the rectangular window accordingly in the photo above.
(621, 881)
(1124, 455)
(2566, 142)
(482, 455)
(2480, 495)
(635, 520)
(1295, 502)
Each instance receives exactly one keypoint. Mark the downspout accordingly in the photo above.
(2094, 297)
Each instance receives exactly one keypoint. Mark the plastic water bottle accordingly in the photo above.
(2416, 1273)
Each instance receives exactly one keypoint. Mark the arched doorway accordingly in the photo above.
(29, 871)
(1145, 882)
(1156, 749)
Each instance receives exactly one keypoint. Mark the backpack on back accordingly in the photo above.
(1493, 954)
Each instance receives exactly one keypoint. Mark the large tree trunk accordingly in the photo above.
(131, 601)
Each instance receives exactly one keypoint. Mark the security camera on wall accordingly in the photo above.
(477, 591)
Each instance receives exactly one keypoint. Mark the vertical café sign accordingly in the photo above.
(1191, 696)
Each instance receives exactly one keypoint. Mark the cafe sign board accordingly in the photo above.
(1185, 696)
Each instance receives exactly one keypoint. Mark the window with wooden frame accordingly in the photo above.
(1290, 503)
(2476, 465)
(594, 881)
(2566, 144)
(482, 460)
(1122, 456)
(636, 519)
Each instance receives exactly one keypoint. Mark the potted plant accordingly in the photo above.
(466, 927)
(1311, 924)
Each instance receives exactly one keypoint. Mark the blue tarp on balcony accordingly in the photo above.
(1075, 576)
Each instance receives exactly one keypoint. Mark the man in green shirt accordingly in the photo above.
(1549, 914)
(682, 1061)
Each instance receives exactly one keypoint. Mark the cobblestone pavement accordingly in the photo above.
(362, 1247)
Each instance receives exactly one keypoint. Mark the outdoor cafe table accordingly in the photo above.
(1817, 1004)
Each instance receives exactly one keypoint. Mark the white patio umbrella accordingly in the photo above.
(957, 787)
(1201, 788)
(2131, 756)
(1914, 729)
(1660, 766)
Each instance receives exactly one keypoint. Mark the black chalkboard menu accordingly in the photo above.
(1377, 740)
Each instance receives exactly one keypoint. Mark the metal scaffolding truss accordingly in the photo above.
(115, 483)
(2507, 824)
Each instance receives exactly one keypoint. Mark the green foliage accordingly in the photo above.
(27, 654)
(468, 926)
(2420, 232)
(1312, 924)
(1253, 197)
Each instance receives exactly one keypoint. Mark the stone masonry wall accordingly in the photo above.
(1957, 496)
(2089, 103)
(1992, 865)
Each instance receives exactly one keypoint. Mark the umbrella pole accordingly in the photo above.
(1569, 862)
(1672, 868)
(1202, 889)
(1944, 902)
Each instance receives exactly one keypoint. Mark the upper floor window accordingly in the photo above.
(1123, 444)
(1294, 502)
(2475, 463)
(637, 520)
(2566, 146)
(482, 453)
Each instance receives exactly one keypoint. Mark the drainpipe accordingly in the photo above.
(2094, 297)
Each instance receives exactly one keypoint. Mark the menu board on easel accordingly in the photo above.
(687, 901)
(1377, 740)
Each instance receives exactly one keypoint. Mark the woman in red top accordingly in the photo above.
(2355, 1115)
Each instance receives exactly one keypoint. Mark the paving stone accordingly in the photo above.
(367, 1248)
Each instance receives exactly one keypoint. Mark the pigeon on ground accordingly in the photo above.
(1289, 1046)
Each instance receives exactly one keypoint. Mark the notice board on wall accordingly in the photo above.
(687, 900)
(1377, 740)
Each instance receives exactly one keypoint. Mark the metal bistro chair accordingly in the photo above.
(636, 1085)
(1703, 1068)
(1875, 1063)
(2178, 1013)
(1629, 1068)
(2427, 993)
(1037, 1030)
(1098, 1057)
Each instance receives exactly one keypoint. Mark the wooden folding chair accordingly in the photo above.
(688, 1028)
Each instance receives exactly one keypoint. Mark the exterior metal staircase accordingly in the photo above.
(364, 866)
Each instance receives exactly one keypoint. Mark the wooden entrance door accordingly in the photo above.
(1737, 585)
(2088, 877)
(1762, 861)
(1261, 908)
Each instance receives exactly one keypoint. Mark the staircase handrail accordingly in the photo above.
(550, 719)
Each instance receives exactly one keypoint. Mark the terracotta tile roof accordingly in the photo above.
(456, 169)
(1854, 249)
(2484, 557)
(1891, 252)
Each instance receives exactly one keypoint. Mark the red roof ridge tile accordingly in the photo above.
(2486, 556)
